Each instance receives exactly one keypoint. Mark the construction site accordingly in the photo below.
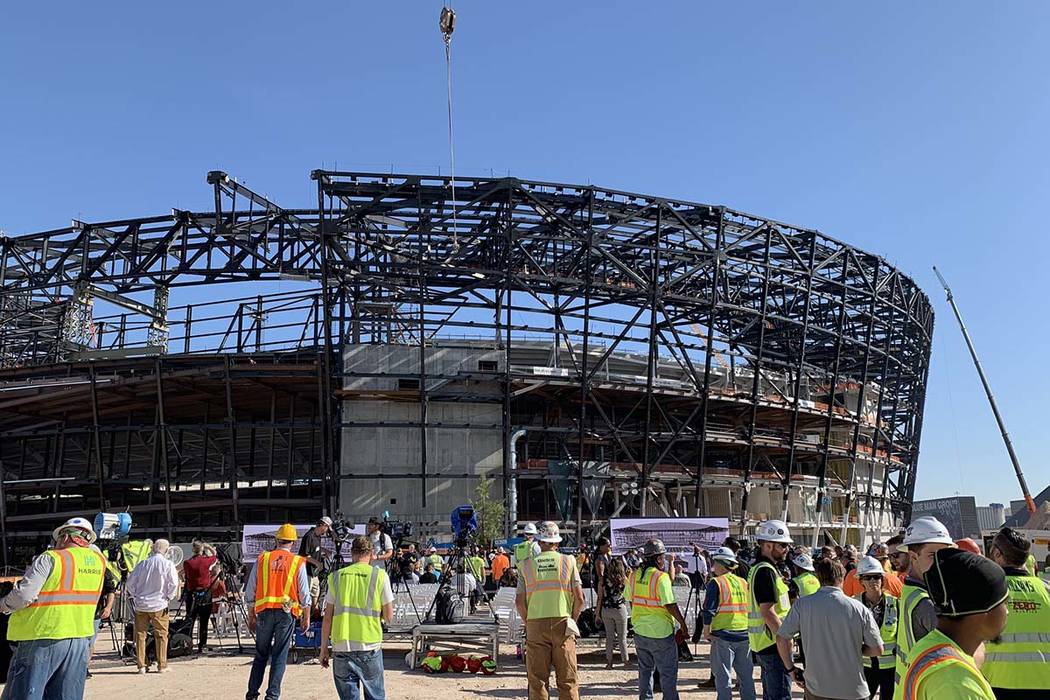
(598, 353)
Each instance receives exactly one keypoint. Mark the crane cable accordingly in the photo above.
(447, 24)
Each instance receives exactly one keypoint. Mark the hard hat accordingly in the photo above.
(548, 532)
(868, 566)
(969, 545)
(803, 561)
(325, 520)
(287, 533)
(773, 531)
(927, 530)
(78, 523)
(724, 554)
(530, 529)
(653, 548)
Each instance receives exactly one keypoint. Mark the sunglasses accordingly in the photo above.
(869, 579)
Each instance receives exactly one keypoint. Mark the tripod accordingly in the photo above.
(455, 560)
(394, 570)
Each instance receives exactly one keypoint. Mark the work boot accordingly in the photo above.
(709, 683)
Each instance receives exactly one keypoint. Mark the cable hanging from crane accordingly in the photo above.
(447, 24)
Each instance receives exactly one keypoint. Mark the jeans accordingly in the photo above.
(659, 655)
(615, 620)
(776, 683)
(726, 655)
(354, 669)
(273, 637)
(48, 669)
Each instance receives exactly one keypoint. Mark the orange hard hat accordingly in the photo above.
(969, 545)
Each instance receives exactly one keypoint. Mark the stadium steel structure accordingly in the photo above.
(226, 409)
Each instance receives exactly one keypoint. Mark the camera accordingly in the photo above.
(396, 529)
(464, 524)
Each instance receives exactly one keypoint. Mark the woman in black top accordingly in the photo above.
(613, 609)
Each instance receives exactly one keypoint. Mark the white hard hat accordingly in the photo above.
(803, 561)
(724, 554)
(548, 532)
(868, 566)
(927, 530)
(529, 529)
(773, 531)
(80, 524)
(325, 520)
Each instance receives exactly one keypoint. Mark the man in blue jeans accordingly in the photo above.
(359, 599)
(654, 614)
(725, 627)
(768, 606)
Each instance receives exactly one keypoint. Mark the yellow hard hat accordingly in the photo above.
(287, 532)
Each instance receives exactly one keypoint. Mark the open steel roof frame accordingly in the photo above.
(411, 258)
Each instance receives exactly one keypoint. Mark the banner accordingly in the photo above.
(678, 534)
(256, 539)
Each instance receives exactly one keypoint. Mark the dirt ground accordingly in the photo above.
(225, 677)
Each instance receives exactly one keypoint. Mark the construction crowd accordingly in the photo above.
(921, 617)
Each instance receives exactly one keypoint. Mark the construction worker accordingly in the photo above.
(277, 591)
(528, 548)
(52, 611)
(768, 604)
(725, 627)
(435, 559)
(549, 601)
(359, 600)
(879, 670)
(805, 583)
(654, 613)
(970, 593)
(916, 615)
(1017, 664)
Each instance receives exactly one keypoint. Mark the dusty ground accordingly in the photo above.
(225, 677)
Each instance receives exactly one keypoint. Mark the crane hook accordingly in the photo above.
(447, 23)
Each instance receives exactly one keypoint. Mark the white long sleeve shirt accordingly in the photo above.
(153, 584)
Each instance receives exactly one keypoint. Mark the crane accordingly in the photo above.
(988, 392)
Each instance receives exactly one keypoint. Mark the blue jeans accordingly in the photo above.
(273, 637)
(660, 655)
(726, 655)
(776, 683)
(48, 669)
(353, 669)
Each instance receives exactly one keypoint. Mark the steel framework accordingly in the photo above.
(129, 375)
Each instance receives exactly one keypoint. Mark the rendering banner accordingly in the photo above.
(678, 534)
(257, 539)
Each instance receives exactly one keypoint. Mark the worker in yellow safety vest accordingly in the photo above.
(1017, 663)
(359, 600)
(527, 549)
(725, 626)
(806, 582)
(52, 611)
(277, 592)
(879, 672)
(134, 551)
(916, 615)
(768, 605)
(654, 615)
(970, 593)
(549, 601)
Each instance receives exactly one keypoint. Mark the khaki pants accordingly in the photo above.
(159, 620)
(547, 641)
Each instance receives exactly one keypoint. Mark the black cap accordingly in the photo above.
(961, 583)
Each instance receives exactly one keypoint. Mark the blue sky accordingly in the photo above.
(913, 130)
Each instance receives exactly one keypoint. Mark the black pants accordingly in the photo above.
(880, 682)
(198, 613)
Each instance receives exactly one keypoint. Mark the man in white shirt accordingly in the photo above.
(152, 585)
(382, 546)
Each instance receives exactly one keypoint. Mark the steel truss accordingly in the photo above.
(126, 365)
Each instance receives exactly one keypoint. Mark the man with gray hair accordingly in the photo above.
(152, 585)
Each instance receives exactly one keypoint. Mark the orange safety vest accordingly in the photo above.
(275, 577)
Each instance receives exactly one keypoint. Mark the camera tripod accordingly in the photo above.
(455, 560)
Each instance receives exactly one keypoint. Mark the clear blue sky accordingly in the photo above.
(914, 130)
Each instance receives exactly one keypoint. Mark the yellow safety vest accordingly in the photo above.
(65, 607)
(911, 596)
(758, 635)
(922, 679)
(1022, 660)
(732, 604)
(357, 590)
(522, 552)
(1029, 564)
(888, 632)
(548, 585)
(477, 568)
(435, 561)
(807, 583)
(135, 551)
(646, 609)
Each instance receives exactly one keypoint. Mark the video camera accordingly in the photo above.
(464, 524)
(396, 529)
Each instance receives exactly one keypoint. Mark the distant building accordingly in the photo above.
(991, 516)
(958, 513)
